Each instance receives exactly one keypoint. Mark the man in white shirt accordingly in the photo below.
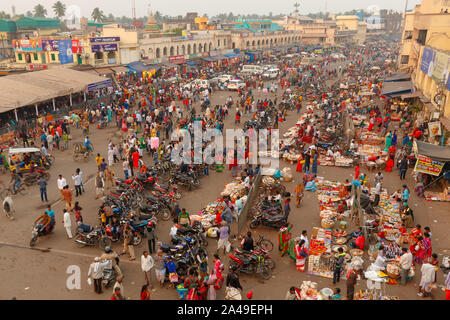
(61, 184)
(147, 264)
(77, 181)
(67, 223)
(304, 236)
(377, 194)
(428, 275)
(405, 264)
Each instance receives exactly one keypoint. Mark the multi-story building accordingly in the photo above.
(349, 29)
(7, 33)
(425, 53)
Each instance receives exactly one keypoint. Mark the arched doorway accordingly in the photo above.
(165, 52)
(158, 53)
(194, 48)
(172, 51)
(189, 49)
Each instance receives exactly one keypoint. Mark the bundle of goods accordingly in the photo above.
(327, 161)
(320, 255)
(291, 132)
(308, 291)
(268, 181)
(269, 154)
(291, 157)
(367, 294)
(287, 174)
(438, 196)
(393, 269)
(343, 162)
(234, 190)
(366, 151)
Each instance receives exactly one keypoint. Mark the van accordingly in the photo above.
(252, 69)
(271, 73)
(201, 83)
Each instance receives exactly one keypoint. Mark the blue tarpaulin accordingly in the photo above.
(231, 55)
(191, 63)
(138, 67)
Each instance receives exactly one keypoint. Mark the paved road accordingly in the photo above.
(33, 274)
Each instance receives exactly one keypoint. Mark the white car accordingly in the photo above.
(271, 73)
(224, 78)
(201, 83)
(236, 85)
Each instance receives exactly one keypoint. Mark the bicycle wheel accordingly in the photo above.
(22, 190)
(265, 272)
(266, 244)
(270, 263)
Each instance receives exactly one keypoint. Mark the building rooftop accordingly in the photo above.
(7, 26)
(35, 22)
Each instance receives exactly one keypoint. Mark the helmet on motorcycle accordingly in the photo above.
(107, 249)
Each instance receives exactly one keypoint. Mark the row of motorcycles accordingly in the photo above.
(269, 214)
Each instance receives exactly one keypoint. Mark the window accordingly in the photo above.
(224, 42)
(19, 56)
(422, 37)
(35, 56)
(53, 57)
(408, 35)
(404, 59)
(218, 43)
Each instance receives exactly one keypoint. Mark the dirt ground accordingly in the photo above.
(33, 274)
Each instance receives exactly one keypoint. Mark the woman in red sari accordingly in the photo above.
(299, 164)
(301, 254)
(389, 165)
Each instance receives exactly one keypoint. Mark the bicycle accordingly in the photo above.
(9, 191)
(262, 242)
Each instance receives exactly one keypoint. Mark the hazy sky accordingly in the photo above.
(211, 7)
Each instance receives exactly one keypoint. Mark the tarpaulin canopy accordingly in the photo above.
(138, 66)
(231, 55)
(191, 63)
(391, 88)
(209, 59)
(432, 151)
(398, 77)
(26, 89)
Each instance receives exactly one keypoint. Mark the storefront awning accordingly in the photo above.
(209, 59)
(99, 85)
(415, 94)
(398, 77)
(191, 63)
(396, 88)
(138, 66)
(119, 69)
(102, 71)
(432, 151)
(231, 55)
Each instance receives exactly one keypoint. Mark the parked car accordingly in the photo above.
(236, 85)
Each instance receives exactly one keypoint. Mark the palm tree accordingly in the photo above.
(98, 15)
(40, 11)
(59, 9)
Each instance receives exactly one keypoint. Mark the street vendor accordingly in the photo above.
(184, 218)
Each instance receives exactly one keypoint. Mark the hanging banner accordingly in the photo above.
(77, 46)
(50, 45)
(434, 129)
(65, 51)
(27, 45)
(427, 61)
(104, 47)
(441, 65)
(177, 59)
(428, 166)
(104, 39)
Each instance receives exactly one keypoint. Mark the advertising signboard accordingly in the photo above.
(428, 166)
(104, 39)
(110, 47)
(65, 51)
(27, 45)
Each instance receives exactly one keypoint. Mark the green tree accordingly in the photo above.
(4, 15)
(158, 17)
(29, 14)
(111, 17)
(59, 9)
(40, 11)
(98, 15)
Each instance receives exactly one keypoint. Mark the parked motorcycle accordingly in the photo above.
(251, 264)
(93, 237)
(267, 220)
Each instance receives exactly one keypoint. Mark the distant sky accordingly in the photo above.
(210, 7)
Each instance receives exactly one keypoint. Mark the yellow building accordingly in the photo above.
(425, 53)
(350, 29)
(202, 23)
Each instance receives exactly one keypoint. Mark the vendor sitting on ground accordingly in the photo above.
(355, 234)
(358, 243)
(363, 178)
(397, 195)
(407, 215)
